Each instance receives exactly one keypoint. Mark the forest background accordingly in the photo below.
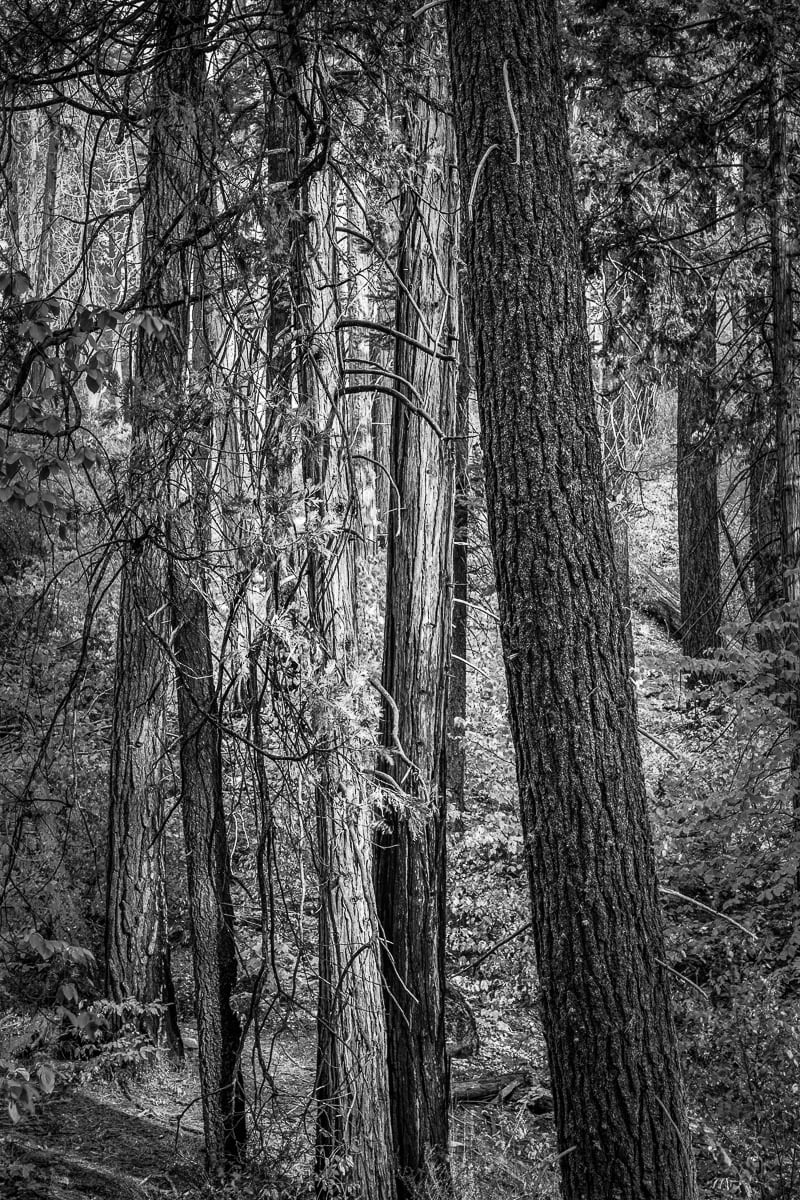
(252, 630)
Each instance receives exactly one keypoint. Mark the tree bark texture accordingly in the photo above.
(410, 861)
(698, 504)
(353, 1136)
(137, 959)
(619, 1102)
(765, 524)
(617, 441)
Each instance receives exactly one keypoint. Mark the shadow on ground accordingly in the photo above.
(80, 1146)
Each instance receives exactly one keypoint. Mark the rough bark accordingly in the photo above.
(617, 441)
(205, 835)
(619, 1102)
(410, 857)
(765, 535)
(698, 505)
(137, 959)
(353, 1136)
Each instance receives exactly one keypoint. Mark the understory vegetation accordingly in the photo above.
(718, 773)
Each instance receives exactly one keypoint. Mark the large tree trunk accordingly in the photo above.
(353, 1137)
(619, 1102)
(410, 864)
(137, 960)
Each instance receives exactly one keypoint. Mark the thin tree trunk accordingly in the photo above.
(353, 1136)
(697, 466)
(410, 863)
(617, 444)
(619, 1103)
(698, 505)
(765, 532)
(457, 691)
(358, 360)
(44, 265)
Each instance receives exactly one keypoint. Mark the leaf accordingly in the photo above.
(37, 943)
(15, 283)
(47, 1078)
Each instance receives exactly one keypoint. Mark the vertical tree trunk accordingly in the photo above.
(45, 247)
(137, 960)
(617, 444)
(619, 1103)
(457, 690)
(353, 1137)
(765, 525)
(410, 864)
(698, 505)
(359, 365)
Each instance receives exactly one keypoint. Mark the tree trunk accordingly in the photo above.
(698, 505)
(353, 1136)
(137, 959)
(44, 265)
(410, 865)
(457, 691)
(619, 1102)
(765, 534)
(617, 442)
(202, 807)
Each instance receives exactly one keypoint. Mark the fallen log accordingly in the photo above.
(515, 1087)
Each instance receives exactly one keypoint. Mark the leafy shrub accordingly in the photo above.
(741, 1061)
